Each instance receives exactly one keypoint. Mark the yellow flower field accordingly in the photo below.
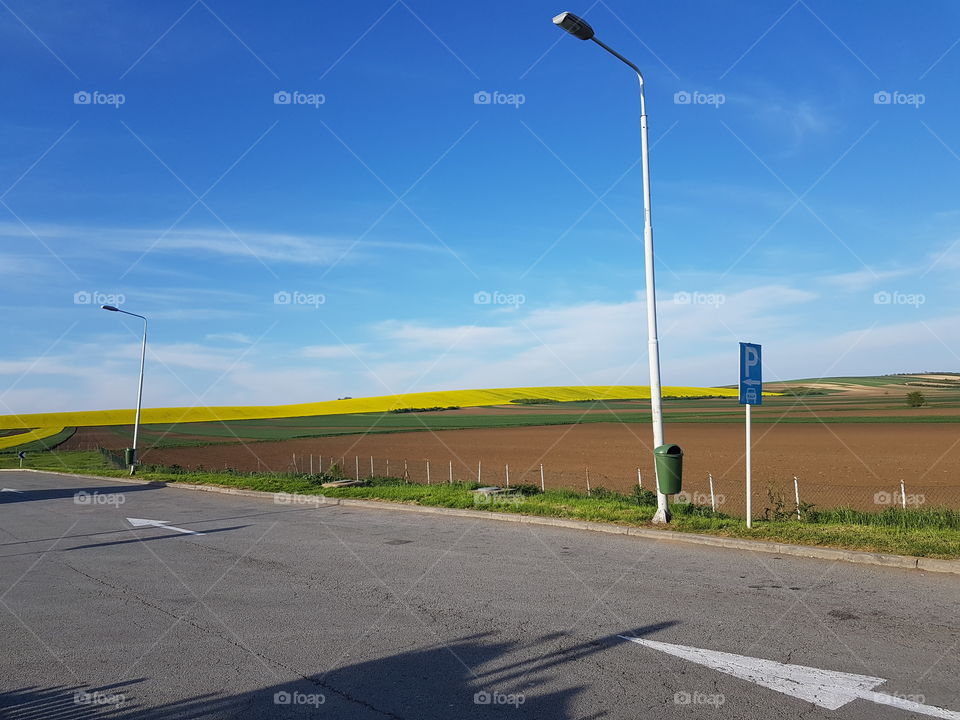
(24, 438)
(51, 423)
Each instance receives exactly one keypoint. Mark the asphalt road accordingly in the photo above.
(370, 613)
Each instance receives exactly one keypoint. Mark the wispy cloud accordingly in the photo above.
(861, 279)
(74, 240)
(232, 337)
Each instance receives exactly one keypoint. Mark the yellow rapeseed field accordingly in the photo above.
(51, 423)
(24, 438)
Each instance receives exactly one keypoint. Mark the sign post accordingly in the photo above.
(751, 393)
(22, 454)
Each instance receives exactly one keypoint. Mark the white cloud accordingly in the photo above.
(332, 352)
(72, 241)
(861, 279)
(589, 343)
(232, 337)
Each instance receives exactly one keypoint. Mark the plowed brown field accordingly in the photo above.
(859, 465)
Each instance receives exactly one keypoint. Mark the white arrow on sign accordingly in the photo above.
(11, 490)
(140, 522)
(826, 688)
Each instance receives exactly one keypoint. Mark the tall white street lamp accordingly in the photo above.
(581, 29)
(132, 452)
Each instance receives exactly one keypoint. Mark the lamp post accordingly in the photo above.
(132, 454)
(581, 29)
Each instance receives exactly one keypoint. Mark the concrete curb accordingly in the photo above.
(807, 551)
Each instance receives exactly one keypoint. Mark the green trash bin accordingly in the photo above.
(130, 457)
(669, 463)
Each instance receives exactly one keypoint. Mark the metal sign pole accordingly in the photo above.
(751, 393)
(749, 479)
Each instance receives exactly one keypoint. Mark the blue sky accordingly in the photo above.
(805, 163)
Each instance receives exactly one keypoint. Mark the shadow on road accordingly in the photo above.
(84, 493)
(469, 678)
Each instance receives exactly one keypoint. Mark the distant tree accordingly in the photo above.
(916, 399)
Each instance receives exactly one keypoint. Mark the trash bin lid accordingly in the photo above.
(669, 449)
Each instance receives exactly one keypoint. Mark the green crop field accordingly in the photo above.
(865, 400)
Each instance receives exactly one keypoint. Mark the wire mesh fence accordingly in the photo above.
(780, 496)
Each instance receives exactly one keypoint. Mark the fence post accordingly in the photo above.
(406, 475)
(542, 487)
(451, 472)
(428, 472)
(311, 463)
(388, 467)
(796, 494)
(479, 463)
(508, 475)
(639, 478)
(356, 465)
(371, 466)
(713, 499)
(903, 496)
(588, 482)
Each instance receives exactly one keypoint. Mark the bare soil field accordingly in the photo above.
(858, 465)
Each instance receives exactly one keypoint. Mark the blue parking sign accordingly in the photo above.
(751, 377)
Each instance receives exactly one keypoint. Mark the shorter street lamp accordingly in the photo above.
(131, 455)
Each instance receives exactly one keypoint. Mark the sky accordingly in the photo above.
(311, 200)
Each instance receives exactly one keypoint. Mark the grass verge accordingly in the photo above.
(933, 533)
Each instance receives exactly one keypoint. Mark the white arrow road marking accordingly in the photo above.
(826, 688)
(140, 522)
(11, 490)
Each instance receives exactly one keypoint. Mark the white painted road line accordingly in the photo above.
(140, 522)
(11, 490)
(826, 688)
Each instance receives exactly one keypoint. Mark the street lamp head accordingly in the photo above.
(111, 308)
(574, 25)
